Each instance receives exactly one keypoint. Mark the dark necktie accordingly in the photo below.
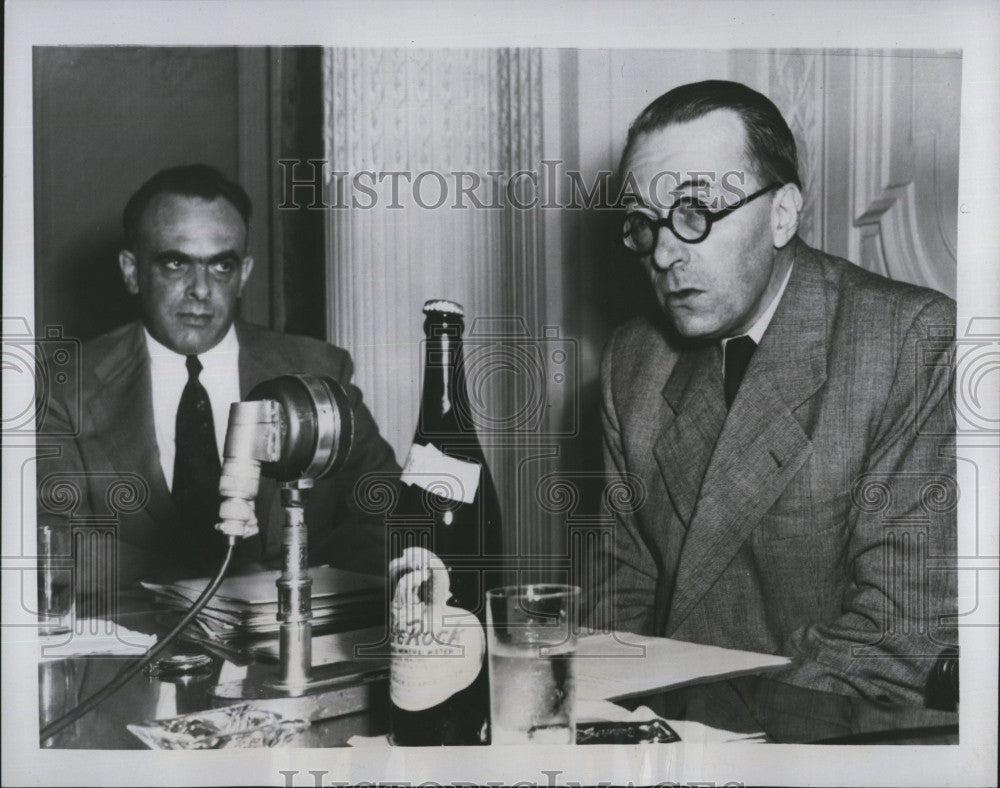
(738, 353)
(196, 464)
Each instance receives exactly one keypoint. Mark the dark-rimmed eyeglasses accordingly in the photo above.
(689, 219)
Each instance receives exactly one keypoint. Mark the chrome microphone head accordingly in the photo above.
(317, 426)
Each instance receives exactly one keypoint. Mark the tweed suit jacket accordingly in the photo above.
(108, 467)
(813, 519)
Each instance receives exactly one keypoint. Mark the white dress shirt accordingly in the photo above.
(756, 332)
(220, 375)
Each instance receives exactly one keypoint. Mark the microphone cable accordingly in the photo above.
(127, 673)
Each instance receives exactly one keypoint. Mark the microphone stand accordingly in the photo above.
(298, 688)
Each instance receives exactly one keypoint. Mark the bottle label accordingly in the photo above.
(436, 650)
(431, 469)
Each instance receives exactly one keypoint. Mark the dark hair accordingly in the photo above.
(188, 180)
(770, 144)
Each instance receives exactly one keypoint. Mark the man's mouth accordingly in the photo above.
(683, 294)
(195, 318)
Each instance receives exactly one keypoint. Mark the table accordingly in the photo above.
(748, 704)
(70, 680)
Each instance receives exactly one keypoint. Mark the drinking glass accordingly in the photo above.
(531, 633)
(55, 574)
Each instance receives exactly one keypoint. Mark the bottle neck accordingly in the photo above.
(444, 404)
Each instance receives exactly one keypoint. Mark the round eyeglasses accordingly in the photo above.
(690, 220)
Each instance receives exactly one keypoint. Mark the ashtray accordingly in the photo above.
(216, 729)
(179, 666)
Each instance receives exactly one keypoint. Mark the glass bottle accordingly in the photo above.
(439, 678)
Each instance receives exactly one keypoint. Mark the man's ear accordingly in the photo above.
(130, 271)
(785, 210)
(246, 267)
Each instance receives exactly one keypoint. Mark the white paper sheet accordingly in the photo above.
(98, 637)
(621, 664)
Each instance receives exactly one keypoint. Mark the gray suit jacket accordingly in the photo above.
(816, 518)
(105, 472)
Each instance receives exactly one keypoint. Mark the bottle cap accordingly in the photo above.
(441, 305)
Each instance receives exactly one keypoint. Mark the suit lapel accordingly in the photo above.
(122, 412)
(694, 393)
(762, 445)
(259, 359)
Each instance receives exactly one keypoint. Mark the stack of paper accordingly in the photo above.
(242, 615)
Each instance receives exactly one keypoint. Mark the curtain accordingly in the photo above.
(429, 155)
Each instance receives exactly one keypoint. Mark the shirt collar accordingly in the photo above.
(158, 352)
(756, 332)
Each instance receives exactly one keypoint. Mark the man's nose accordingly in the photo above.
(669, 250)
(199, 285)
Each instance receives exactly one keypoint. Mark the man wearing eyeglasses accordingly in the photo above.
(787, 430)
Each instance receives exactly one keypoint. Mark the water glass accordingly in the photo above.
(55, 576)
(531, 639)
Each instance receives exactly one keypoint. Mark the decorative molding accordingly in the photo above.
(899, 194)
(797, 85)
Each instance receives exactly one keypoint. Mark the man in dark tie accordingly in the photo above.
(782, 398)
(144, 460)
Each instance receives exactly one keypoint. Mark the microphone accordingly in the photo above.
(293, 427)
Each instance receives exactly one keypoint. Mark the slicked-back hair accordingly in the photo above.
(770, 144)
(187, 180)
